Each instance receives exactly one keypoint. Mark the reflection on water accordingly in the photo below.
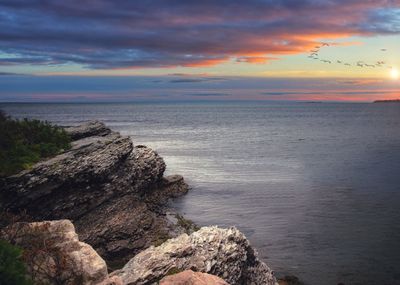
(315, 187)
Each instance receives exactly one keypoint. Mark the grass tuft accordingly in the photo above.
(25, 142)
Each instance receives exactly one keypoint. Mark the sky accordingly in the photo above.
(98, 50)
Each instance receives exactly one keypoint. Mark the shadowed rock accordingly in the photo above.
(114, 192)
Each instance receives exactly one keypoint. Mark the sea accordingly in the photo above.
(314, 186)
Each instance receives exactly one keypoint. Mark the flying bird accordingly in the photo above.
(383, 49)
(338, 61)
(326, 61)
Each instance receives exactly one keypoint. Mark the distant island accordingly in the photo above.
(388, 101)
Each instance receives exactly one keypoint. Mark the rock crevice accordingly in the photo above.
(113, 191)
(115, 194)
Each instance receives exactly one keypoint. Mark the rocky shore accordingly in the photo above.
(113, 196)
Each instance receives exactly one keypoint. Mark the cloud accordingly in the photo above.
(131, 88)
(255, 59)
(304, 94)
(360, 82)
(195, 79)
(282, 93)
(10, 74)
(106, 34)
(208, 94)
(186, 80)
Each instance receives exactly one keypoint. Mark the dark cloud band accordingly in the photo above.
(127, 34)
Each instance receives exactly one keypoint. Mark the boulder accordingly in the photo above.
(113, 191)
(225, 253)
(188, 277)
(54, 254)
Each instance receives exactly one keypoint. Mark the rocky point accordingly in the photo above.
(113, 195)
(113, 191)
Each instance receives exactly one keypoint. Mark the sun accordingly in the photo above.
(394, 73)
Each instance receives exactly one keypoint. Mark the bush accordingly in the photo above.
(25, 142)
(12, 269)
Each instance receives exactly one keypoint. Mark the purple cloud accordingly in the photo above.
(129, 34)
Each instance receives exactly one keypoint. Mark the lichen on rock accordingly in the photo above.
(114, 192)
(225, 253)
(116, 195)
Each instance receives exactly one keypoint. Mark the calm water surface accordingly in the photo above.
(315, 187)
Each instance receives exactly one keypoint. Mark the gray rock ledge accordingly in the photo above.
(113, 191)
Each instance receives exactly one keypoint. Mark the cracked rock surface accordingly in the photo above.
(113, 191)
(54, 254)
(225, 253)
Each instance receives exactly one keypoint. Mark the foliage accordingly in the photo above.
(25, 142)
(12, 269)
(46, 255)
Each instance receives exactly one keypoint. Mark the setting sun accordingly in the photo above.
(394, 73)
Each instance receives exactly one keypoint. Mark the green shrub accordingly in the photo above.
(25, 142)
(12, 269)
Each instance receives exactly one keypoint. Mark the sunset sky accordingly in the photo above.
(194, 50)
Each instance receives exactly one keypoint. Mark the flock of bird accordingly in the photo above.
(314, 54)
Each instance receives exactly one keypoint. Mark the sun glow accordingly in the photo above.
(394, 73)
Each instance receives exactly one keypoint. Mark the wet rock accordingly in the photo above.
(225, 253)
(188, 277)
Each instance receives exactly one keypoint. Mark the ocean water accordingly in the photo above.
(315, 187)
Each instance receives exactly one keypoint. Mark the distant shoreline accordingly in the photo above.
(388, 101)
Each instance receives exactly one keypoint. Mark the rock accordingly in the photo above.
(89, 129)
(290, 280)
(173, 185)
(54, 255)
(128, 225)
(74, 182)
(114, 280)
(188, 277)
(225, 253)
(114, 192)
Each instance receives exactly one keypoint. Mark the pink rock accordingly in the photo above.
(188, 277)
